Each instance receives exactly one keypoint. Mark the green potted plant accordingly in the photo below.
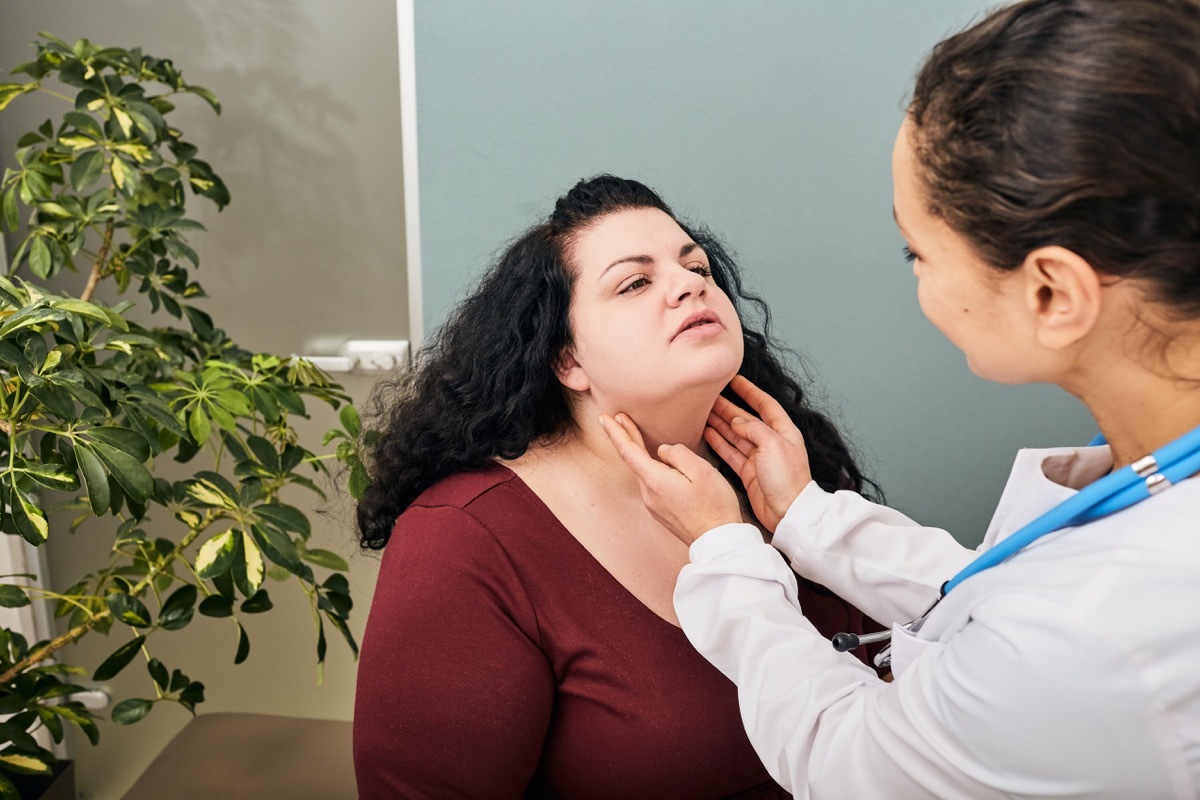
(94, 395)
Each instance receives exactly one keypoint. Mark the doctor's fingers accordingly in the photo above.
(727, 412)
(767, 408)
(746, 431)
(692, 500)
(727, 452)
(743, 445)
(683, 492)
(627, 440)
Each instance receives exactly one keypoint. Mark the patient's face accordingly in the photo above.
(647, 319)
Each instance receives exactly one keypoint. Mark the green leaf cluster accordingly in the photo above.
(37, 698)
(92, 399)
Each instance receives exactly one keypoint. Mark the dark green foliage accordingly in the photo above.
(90, 400)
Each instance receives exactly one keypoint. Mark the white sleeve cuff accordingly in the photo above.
(802, 515)
(722, 540)
(808, 507)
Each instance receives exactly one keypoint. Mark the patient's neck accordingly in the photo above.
(677, 420)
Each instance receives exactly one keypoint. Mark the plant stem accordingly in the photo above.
(46, 594)
(53, 646)
(98, 267)
(53, 93)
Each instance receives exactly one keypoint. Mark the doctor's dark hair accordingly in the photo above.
(1072, 123)
(485, 386)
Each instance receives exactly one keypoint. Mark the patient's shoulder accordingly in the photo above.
(463, 489)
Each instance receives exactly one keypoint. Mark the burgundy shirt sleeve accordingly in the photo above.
(454, 694)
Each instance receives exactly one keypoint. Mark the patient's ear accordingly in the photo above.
(1064, 295)
(570, 373)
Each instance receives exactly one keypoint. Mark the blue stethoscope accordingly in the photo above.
(1114, 492)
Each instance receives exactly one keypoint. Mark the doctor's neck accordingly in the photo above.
(1146, 398)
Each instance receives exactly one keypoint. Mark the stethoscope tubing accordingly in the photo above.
(1170, 464)
(1112, 493)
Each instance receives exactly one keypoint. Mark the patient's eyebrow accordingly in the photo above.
(899, 224)
(644, 259)
(627, 260)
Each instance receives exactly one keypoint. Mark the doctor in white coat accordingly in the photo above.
(1047, 184)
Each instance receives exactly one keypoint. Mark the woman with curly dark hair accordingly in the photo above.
(522, 640)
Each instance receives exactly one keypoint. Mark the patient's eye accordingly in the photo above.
(909, 255)
(634, 285)
(701, 268)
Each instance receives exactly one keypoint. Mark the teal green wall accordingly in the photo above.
(772, 123)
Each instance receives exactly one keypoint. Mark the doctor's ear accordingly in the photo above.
(570, 373)
(1064, 293)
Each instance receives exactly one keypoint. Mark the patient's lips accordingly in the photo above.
(700, 325)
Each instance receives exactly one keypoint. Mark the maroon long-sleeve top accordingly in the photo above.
(501, 660)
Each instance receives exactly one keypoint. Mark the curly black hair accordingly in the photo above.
(485, 386)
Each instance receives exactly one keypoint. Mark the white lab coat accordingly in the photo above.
(1071, 670)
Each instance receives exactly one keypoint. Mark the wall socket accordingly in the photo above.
(376, 355)
(364, 355)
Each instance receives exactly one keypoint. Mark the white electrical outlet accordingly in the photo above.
(331, 363)
(361, 355)
(376, 355)
(95, 699)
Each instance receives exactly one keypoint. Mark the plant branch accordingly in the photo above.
(98, 267)
(51, 647)
(54, 645)
(53, 93)
(71, 599)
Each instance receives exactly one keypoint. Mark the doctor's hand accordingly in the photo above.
(766, 452)
(681, 490)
